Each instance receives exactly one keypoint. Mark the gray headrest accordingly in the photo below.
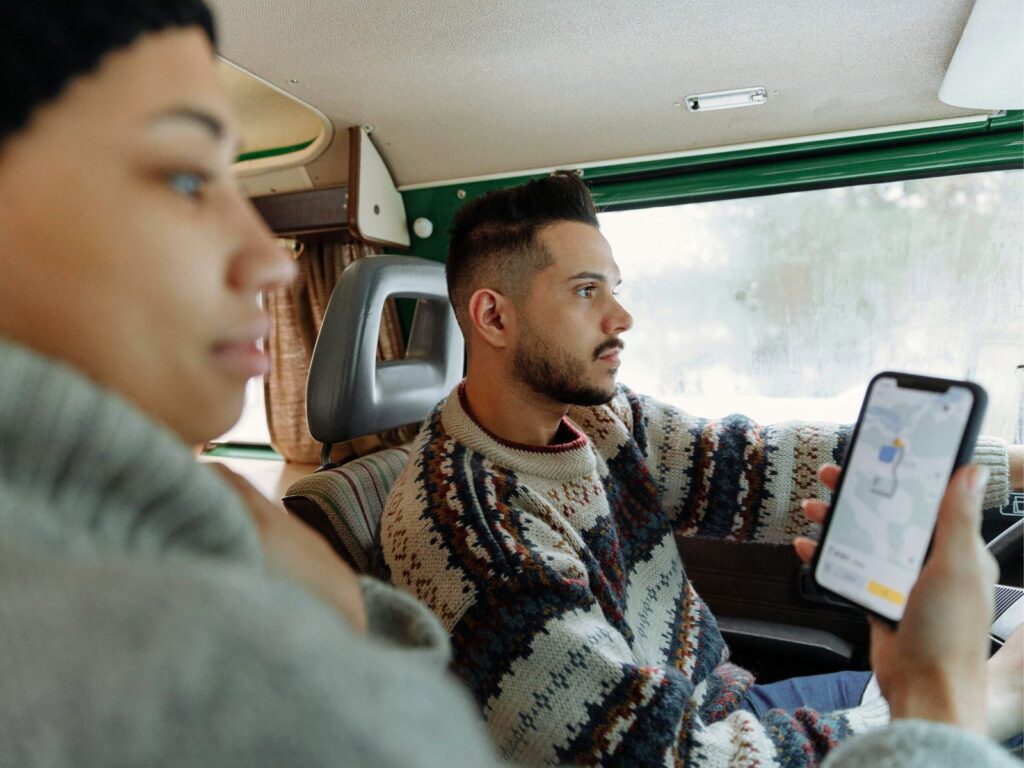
(350, 394)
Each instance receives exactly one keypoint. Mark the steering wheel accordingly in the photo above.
(1007, 549)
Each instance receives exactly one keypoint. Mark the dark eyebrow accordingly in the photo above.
(197, 116)
(595, 276)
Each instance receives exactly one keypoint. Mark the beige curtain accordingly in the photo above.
(297, 311)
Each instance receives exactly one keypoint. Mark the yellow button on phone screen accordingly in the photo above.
(886, 593)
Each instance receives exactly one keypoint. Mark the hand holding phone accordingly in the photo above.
(933, 665)
(912, 433)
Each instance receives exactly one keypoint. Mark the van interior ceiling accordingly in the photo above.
(463, 89)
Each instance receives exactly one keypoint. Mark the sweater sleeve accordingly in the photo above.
(920, 744)
(733, 478)
(396, 618)
(191, 663)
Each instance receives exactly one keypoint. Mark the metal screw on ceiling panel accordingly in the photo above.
(293, 81)
(461, 194)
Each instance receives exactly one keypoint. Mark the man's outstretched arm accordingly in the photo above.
(734, 478)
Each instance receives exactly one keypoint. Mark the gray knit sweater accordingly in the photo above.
(139, 628)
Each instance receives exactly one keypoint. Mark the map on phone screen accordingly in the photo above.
(894, 481)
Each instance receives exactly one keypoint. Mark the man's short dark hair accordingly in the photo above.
(494, 237)
(45, 44)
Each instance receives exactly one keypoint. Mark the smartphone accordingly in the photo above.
(912, 433)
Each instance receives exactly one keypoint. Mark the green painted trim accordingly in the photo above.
(259, 154)
(997, 151)
(1010, 122)
(931, 151)
(243, 451)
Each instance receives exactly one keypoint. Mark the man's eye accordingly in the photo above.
(586, 292)
(187, 183)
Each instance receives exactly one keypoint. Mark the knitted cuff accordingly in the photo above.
(991, 452)
(872, 712)
(919, 744)
(398, 618)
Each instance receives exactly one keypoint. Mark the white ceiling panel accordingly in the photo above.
(464, 88)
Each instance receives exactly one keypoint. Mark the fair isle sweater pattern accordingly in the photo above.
(556, 572)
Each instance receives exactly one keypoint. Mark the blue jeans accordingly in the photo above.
(822, 693)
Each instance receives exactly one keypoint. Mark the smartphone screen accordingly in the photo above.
(880, 526)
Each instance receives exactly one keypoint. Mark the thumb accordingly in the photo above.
(880, 631)
(959, 518)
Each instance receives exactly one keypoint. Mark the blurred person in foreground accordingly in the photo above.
(153, 611)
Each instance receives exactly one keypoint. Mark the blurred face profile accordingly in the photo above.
(126, 249)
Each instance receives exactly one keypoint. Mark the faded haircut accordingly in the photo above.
(493, 239)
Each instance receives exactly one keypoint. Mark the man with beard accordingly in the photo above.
(538, 515)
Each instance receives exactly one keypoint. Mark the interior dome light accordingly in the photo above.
(741, 97)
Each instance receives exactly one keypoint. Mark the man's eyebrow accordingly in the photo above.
(596, 276)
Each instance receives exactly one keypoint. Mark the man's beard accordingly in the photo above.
(556, 373)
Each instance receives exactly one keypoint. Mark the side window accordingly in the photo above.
(251, 427)
(782, 307)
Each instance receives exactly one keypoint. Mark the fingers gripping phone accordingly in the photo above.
(911, 435)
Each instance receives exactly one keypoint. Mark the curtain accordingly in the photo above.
(297, 311)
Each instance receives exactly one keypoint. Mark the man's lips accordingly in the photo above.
(609, 352)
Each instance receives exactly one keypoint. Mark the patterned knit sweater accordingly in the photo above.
(556, 572)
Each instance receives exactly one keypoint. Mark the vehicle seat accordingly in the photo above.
(350, 394)
(344, 504)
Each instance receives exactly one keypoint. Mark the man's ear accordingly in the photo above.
(490, 313)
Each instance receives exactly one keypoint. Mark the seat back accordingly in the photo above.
(349, 393)
(344, 504)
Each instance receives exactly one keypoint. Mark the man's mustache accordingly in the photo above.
(607, 346)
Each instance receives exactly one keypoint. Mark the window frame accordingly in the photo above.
(986, 145)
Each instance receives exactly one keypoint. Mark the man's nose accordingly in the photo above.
(618, 320)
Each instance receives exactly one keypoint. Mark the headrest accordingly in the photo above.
(349, 394)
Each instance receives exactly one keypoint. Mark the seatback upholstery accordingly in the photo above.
(344, 504)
